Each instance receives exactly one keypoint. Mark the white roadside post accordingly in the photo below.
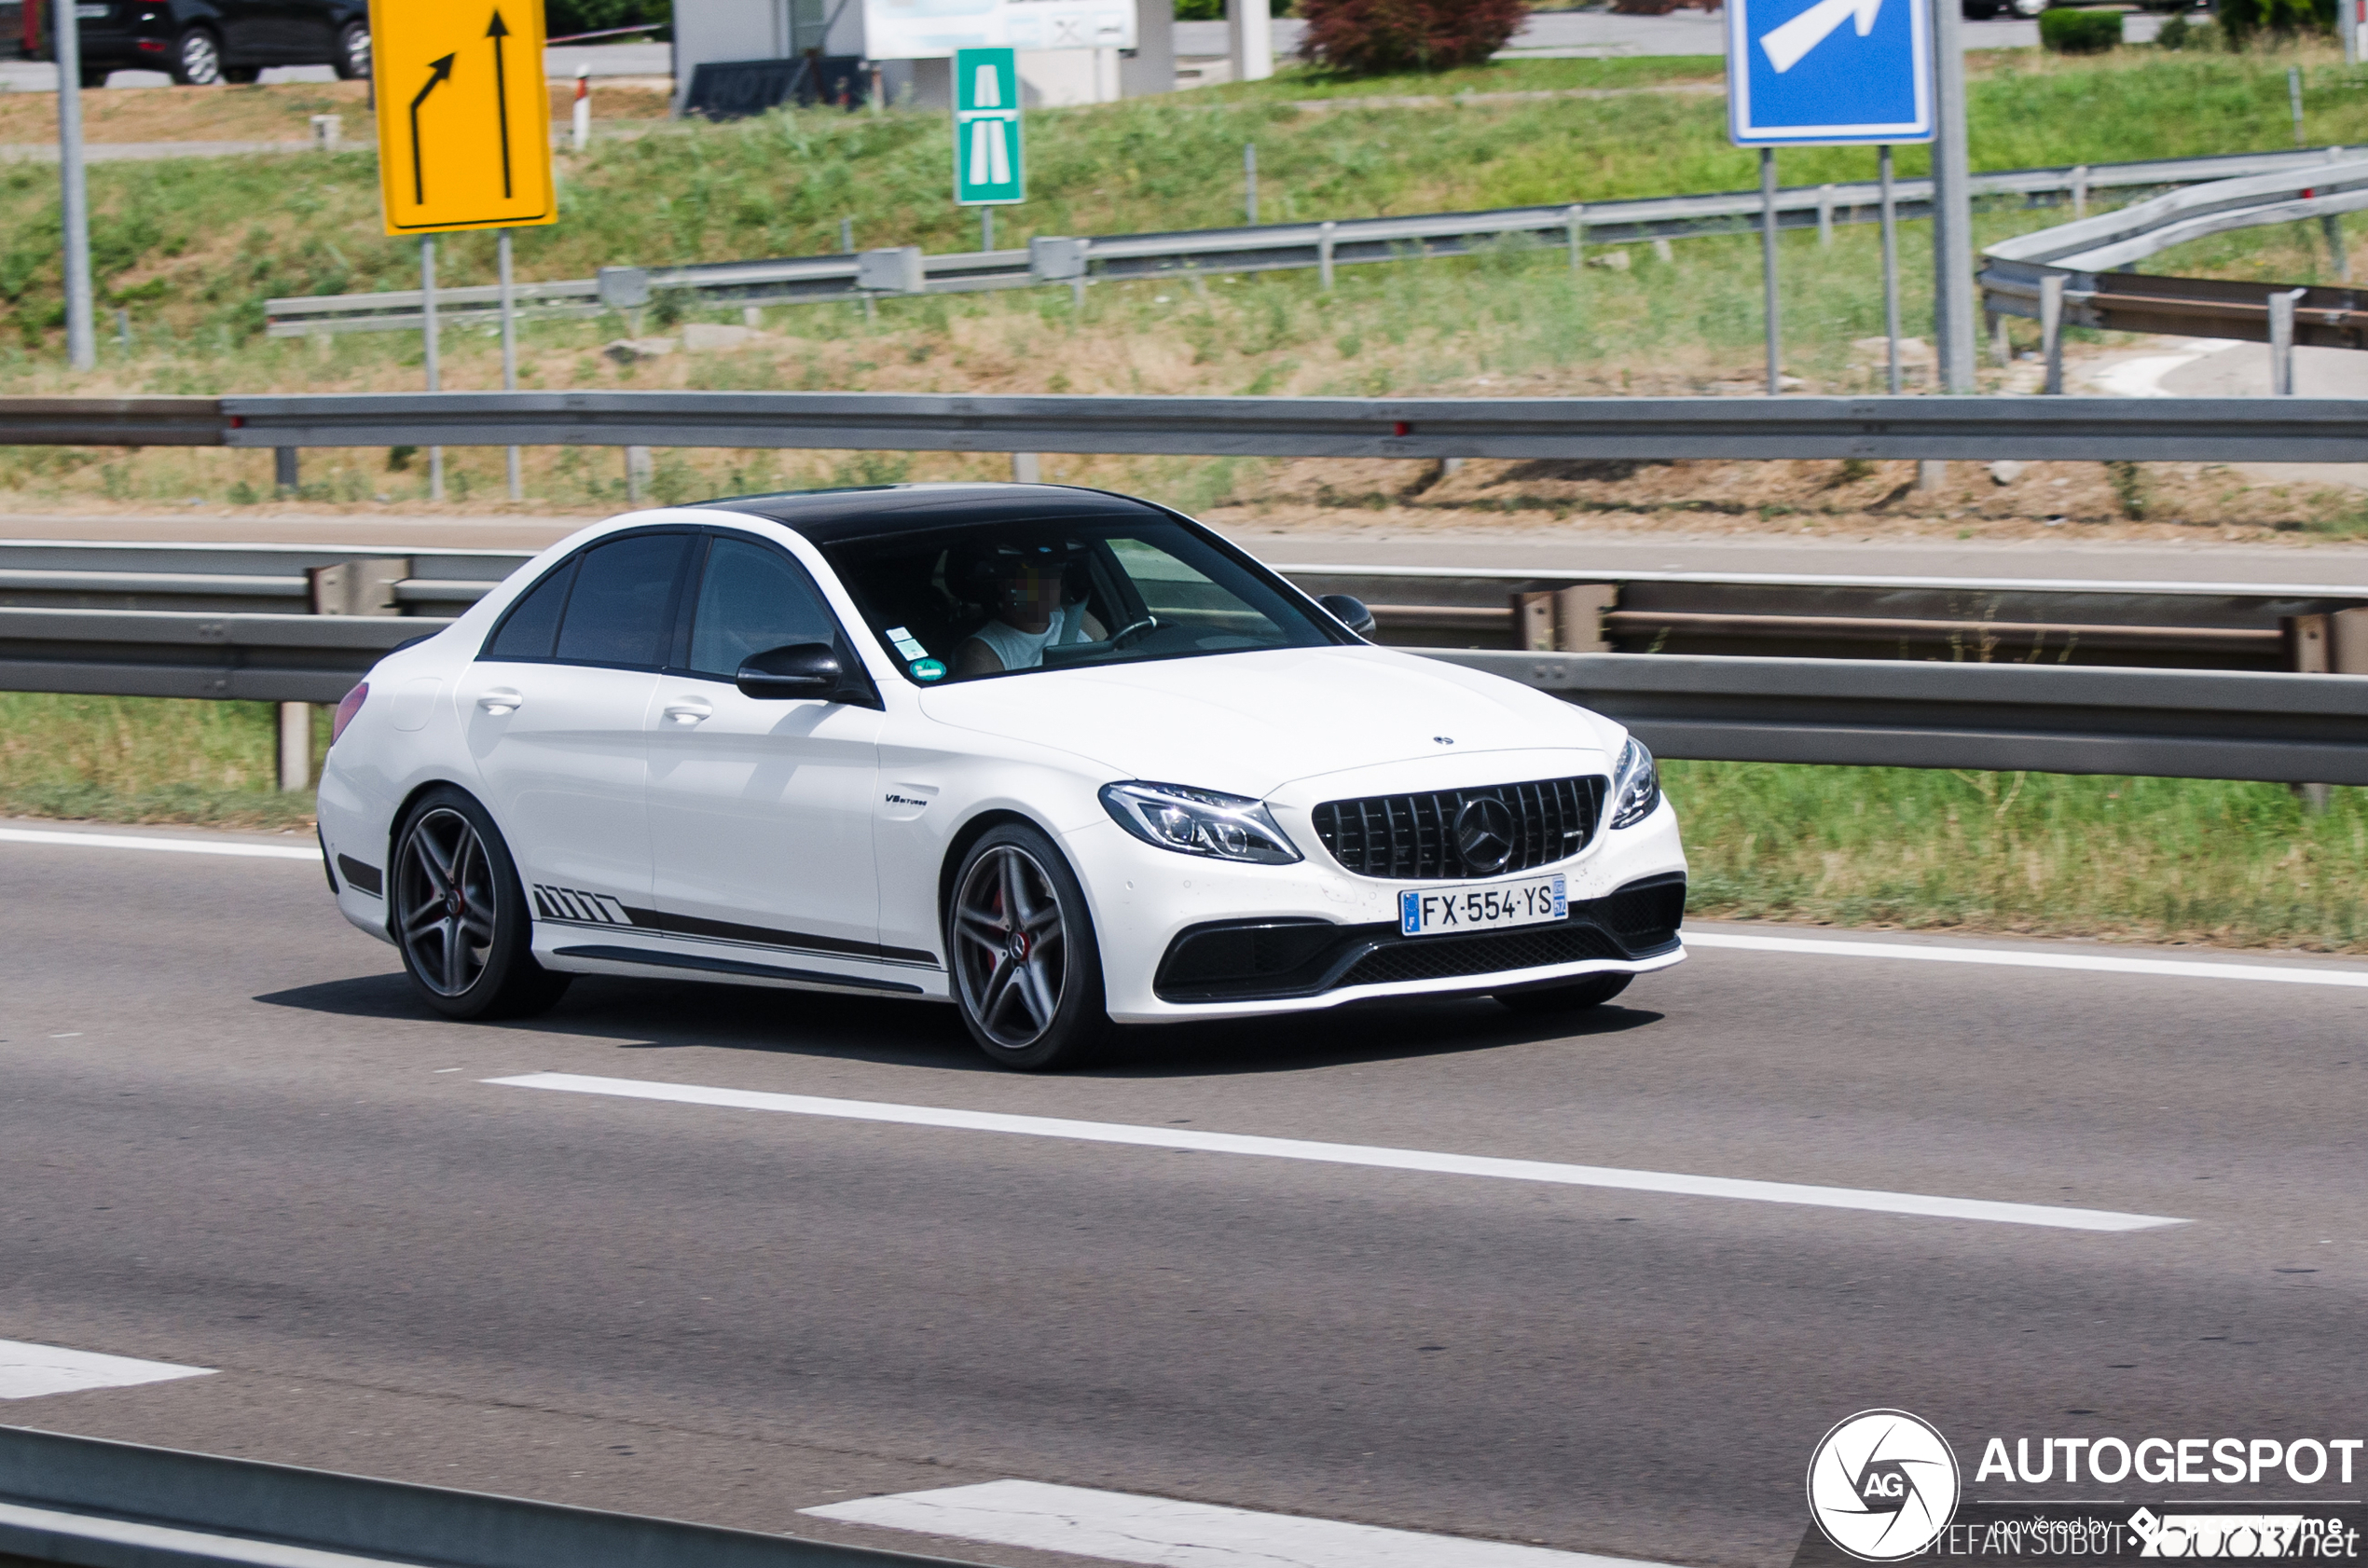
(1251, 23)
(1891, 264)
(73, 197)
(510, 351)
(428, 342)
(1808, 80)
(581, 132)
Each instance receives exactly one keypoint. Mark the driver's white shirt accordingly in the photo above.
(1024, 649)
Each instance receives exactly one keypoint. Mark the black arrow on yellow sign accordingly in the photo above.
(497, 31)
(442, 70)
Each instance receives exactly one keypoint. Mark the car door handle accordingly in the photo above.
(690, 710)
(502, 700)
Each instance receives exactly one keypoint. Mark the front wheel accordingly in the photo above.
(353, 51)
(1594, 991)
(1027, 975)
(197, 59)
(461, 918)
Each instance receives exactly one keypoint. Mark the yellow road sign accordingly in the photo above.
(464, 119)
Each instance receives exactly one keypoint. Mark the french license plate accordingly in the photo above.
(1429, 912)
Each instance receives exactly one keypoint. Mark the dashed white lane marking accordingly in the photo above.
(1349, 1154)
(1126, 1528)
(2095, 963)
(28, 1371)
(172, 846)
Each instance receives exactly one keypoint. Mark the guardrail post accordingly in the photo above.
(2051, 331)
(296, 745)
(1574, 220)
(1324, 251)
(1028, 468)
(2080, 191)
(2281, 341)
(283, 470)
(2331, 226)
(636, 474)
(1825, 217)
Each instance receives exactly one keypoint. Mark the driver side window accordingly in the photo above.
(752, 599)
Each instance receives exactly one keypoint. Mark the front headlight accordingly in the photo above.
(1636, 786)
(1198, 822)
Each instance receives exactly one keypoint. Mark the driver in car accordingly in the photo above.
(1026, 590)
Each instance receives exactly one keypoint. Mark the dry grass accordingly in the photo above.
(281, 111)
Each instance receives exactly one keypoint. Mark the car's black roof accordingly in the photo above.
(878, 511)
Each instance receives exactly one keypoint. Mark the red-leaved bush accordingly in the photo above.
(1366, 36)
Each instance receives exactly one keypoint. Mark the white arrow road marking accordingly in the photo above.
(1786, 44)
(1164, 1533)
(28, 1371)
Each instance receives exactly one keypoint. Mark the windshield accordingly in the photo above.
(1008, 599)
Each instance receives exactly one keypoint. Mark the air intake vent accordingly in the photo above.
(1448, 834)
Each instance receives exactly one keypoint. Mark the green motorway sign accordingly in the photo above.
(988, 166)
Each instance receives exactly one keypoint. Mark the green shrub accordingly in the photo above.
(2243, 20)
(2084, 31)
(2177, 34)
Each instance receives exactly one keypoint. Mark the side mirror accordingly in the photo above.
(1349, 611)
(802, 669)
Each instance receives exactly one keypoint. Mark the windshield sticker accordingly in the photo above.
(906, 643)
(928, 669)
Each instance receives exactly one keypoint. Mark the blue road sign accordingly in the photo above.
(1808, 72)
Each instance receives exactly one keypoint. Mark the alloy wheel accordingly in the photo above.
(201, 63)
(1010, 952)
(357, 51)
(444, 892)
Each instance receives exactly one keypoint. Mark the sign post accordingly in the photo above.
(464, 136)
(990, 168)
(1797, 76)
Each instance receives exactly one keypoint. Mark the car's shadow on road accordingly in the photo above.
(655, 1015)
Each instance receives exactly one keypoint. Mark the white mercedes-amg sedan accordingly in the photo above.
(1062, 758)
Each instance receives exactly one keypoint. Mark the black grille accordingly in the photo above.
(1438, 958)
(1646, 915)
(1414, 836)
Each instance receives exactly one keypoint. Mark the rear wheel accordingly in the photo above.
(353, 51)
(197, 59)
(1594, 991)
(1027, 975)
(461, 917)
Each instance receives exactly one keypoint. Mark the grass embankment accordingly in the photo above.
(2137, 859)
(147, 760)
(1512, 321)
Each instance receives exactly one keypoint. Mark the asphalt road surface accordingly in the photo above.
(229, 1140)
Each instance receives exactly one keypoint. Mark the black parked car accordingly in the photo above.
(201, 42)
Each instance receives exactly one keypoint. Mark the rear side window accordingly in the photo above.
(750, 601)
(532, 625)
(621, 611)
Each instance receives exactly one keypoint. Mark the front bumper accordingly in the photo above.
(1185, 938)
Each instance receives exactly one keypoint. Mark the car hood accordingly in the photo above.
(1248, 723)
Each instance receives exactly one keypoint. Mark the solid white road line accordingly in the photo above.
(1348, 1154)
(2095, 963)
(40, 1529)
(28, 1371)
(173, 846)
(1161, 1530)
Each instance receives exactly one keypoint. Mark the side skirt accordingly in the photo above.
(733, 969)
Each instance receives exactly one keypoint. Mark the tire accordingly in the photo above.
(241, 76)
(1026, 971)
(197, 59)
(353, 51)
(1594, 991)
(460, 917)
(1980, 10)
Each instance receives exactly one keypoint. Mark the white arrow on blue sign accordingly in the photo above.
(1808, 72)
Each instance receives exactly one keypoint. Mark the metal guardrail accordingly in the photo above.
(1964, 711)
(2267, 626)
(2084, 264)
(2136, 428)
(2286, 729)
(111, 1505)
(1266, 247)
